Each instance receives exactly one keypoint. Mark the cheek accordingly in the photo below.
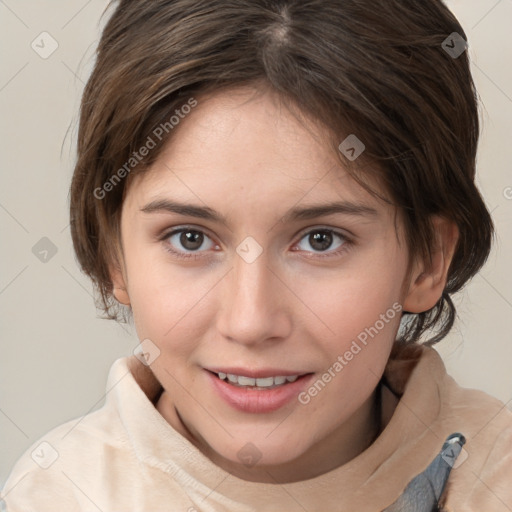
(364, 324)
(360, 315)
(154, 291)
(168, 302)
(350, 301)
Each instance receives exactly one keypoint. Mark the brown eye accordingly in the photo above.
(191, 240)
(320, 240)
(186, 241)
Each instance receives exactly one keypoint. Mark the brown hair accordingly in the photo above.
(377, 69)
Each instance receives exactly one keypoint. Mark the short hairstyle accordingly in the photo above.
(379, 69)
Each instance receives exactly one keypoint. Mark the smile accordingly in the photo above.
(256, 383)
(257, 393)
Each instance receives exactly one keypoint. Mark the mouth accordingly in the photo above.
(257, 391)
(258, 383)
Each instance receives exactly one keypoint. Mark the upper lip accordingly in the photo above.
(256, 374)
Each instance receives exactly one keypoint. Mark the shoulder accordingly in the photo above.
(55, 464)
(481, 480)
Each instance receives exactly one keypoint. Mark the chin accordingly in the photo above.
(258, 451)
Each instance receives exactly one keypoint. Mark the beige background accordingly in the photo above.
(55, 352)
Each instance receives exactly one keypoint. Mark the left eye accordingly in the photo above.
(322, 239)
(189, 239)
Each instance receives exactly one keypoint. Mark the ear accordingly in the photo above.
(120, 290)
(427, 281)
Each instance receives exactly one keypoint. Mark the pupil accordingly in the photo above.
(191, 239)
(322, 237)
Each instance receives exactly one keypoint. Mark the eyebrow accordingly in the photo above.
(294, 214)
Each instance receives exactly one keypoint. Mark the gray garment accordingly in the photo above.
(424, 490)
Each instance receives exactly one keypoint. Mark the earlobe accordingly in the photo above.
(121, 295)
(428, 279)
(119, 287)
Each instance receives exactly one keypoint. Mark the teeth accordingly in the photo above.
(246, 381)
(262, 383)
(265, 382)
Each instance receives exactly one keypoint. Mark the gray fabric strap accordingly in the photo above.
(424, 490)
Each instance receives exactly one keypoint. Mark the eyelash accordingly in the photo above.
(347, 242)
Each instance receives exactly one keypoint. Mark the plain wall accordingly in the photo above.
(55, 351)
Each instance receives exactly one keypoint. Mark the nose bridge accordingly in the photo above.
(251, 282)
(252, 307)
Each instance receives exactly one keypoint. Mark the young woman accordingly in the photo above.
(281, 195)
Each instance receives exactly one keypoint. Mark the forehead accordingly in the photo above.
(245, 142)
(245, 127)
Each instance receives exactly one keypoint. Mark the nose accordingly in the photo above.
(255, 300)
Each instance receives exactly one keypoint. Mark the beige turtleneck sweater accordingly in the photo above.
(125, 457)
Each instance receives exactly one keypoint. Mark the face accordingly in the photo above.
(249, 251)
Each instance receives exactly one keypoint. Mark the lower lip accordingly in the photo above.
(255, 400)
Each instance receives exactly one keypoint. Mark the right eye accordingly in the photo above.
(185, 242)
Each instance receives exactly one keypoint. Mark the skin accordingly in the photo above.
(248, 158)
